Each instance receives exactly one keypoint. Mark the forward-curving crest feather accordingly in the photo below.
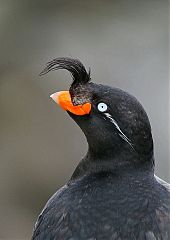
(74, 66)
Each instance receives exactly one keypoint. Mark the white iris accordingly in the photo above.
(102, 107)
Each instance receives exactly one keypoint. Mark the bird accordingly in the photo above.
(113, 194)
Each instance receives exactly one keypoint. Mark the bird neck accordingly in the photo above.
(121, 164)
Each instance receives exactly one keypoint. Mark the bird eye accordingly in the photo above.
(102, 107)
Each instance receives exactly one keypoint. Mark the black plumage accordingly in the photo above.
(113, 193)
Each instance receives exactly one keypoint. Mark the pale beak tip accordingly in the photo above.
(54, 96)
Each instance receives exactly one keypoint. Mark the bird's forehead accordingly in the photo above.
(89, 92)
(81, 94)
(98, 92)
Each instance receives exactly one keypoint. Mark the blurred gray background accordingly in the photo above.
(125, 42)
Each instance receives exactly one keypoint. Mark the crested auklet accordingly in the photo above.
(113, 193)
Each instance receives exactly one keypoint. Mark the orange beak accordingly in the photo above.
(63, 99)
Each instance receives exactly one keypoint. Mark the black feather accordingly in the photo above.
(74, 66)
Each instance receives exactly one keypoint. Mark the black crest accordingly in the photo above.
(74, 66)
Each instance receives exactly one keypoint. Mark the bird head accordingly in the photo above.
(113, 121)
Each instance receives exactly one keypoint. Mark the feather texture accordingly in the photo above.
(74, 66)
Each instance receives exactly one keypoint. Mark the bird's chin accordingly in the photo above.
(83, 119)
(74, 116)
